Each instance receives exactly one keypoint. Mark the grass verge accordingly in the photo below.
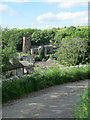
(42, 79)
(82, 108)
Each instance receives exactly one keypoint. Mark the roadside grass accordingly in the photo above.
(41, 79)
(82, 108)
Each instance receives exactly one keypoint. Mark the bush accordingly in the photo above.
(37, 59)
(16, 88)
(43, 60)
(40, 79)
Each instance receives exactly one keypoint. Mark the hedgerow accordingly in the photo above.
(41, 79)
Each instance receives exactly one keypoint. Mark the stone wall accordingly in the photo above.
(20, 72)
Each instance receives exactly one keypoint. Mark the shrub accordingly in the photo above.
(47, 57)
(37, 59)
(43, 59)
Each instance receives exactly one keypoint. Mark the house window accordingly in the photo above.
(33, 52)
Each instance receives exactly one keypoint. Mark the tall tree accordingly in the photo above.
(73, 51)
(42, 53)
(8, 50)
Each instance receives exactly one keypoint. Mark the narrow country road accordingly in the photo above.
(54, 102)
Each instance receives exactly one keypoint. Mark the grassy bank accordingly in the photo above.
(82, 108)
(42, 79)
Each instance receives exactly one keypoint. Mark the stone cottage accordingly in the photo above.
(28, 68)
(29, 58)
(14, 69)
(35, 51)
(48, 49)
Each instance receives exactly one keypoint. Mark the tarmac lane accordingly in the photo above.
(55, 102)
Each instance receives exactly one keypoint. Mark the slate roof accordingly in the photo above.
(24, 63)
(35, 48)
(12, 66)
(48, 45)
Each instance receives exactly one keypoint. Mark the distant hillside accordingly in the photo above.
(39, 37)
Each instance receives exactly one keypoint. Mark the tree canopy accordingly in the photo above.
(73, 42)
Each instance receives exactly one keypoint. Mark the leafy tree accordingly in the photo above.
(73, 51)
(67, 37)
(51, 33)
(42, 53)
(35, 37)
(45, 37)
(40, 38)
(81, 34)
(0, 49)
(8, 48)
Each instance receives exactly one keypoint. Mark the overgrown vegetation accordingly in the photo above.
(41, 79)
(82, 108)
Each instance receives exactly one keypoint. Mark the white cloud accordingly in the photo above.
(76, 17)
(67, 4)
(14, 0)
(45, 17)
(45, 27)
(4, 7)
(50, 1)
(80, 18)
(48, 27)
(72, 1)
(32, 23)
(53, 1)
(72, 4)
(54, 26)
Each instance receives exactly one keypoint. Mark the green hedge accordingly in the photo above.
(41, 79)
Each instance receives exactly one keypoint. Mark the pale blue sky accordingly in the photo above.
(43, 15)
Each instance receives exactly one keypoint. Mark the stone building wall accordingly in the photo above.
(26, 44)
(20, 72)
(34, 51)
(48, 49)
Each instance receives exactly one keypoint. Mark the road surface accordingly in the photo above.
(54, 102)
